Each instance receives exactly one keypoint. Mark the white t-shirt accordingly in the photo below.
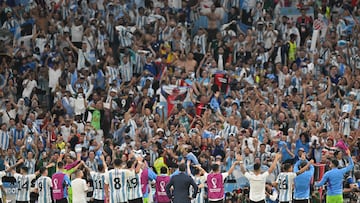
(77, 33)
(8, 115)
(79, 189)
(65, 131)
(257, 185)
(28, 87)
(40, 42)
(54, 76)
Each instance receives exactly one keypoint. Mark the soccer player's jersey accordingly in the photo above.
(24, 184)
(44, 185)
(117, 181)
(98, 185)
(285, 182)
(201, 192)
(134, 186)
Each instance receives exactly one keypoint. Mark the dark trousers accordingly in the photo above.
(301, 201)
(98, 201)
(261, 201)
(138, 200)
(22, 201)
(219, 201)
(63, 200)
(285, 202)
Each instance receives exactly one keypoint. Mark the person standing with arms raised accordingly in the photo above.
(181, 184)
(334, 179)
(215, 182)
(258, 180)
(302, 181)
(80, 187)
(116, 187)
(43, 186)
(60, 182)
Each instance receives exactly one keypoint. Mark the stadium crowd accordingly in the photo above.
(255, 100)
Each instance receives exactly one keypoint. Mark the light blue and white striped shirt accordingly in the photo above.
(24, 184)
(117, 181)
(4, 139)
(126, 71)
(44, 185)
(98, 182)
(17, 134)
(134, 186)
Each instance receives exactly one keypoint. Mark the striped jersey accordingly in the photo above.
(134, 186)
(16, 134)
(98, 179)
(201, 192)
(24, 184)
(285, 181)
(117, 181)
(43, 184)
(4, 139)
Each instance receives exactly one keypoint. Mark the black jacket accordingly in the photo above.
(181, 184)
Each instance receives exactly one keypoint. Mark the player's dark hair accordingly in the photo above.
(215, 167)
(24, 168)
(287, 166)
(42, 170)
(100, 167)
(117, 162)
(335, 162)
(182, 167)
(60, 165)
(163, 170)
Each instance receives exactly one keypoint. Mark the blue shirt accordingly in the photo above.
(284, 153)
(302, 182)
(334, 178)
(190, 156)
(300, 144)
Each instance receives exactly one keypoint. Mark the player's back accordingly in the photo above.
(44, 187)
(24, 184)
(98, 180)
(117, 181)
(134, 186)
(285, 182)
(201, 192)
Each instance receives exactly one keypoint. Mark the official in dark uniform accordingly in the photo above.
(181, 184)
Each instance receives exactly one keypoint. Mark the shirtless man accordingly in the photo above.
(213, 22)
(190, 63)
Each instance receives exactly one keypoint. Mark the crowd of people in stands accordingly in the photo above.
(240, 100)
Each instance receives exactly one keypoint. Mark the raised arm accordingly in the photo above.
(303, 169)
(322, 181)
(242, 168)
(273, 165)
(72, 45)
(350, 166)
